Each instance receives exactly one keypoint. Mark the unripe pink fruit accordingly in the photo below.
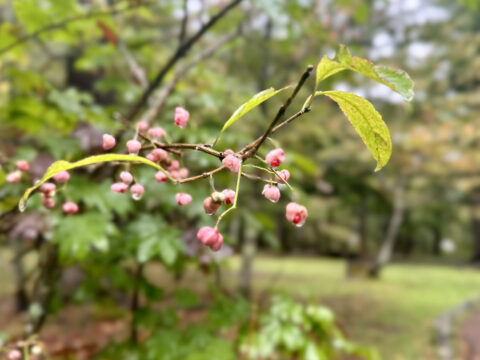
(296, 214)
(284, 176)
(14, 177)
(160, 154)
(231, 162)
(210, 206)
(175, 165)
(142, 126)
(133, 146)
(70, 208)
(126, 177)
(181, 117)
(108, 141)
(275, 157)
(119, 187)
(210, 237)
(152, 157)
(156, 133)
(183, 198)
(62, 176)
(48, 188)
(22, 165)
(14, 354)
(229, 196)
(271, 192)
(179, 174)
(137, 191)
(160, 177)
(48, 202)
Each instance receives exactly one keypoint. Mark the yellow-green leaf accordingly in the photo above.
(62, 165)
(256, 100)
(398, 80)
(326, 68)
(367, 122)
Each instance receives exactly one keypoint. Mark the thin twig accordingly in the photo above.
(179, 54)
(183, 29)
(202, 176)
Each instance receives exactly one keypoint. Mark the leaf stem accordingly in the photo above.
(237, 190)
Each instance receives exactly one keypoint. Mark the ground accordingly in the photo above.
(394, 314)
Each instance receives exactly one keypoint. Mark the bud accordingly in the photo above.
(137, 191)
(231, 162)
(160, 154)
(181, 117)
(210, 206)
(160, 177)
(48, 202)
(119, 187)
(14, 177)
(211, 237)
(229, 196)
(175, 165)
(14, 354)
(271, 192)
(133, 146)
(62, 176)
(126, 177)
(108, 141)
(275, 157)
(156, 133)
(284, 176)
(48, 189)
(70, 208)
(183, 198)
(22, 165)
(296, 214)
(142, 126)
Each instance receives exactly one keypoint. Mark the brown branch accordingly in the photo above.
(158, 104)
(64, 22)
(183, 29)
(252, 148)
(179, 54)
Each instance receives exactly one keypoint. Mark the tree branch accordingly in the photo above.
(180, 53)
(64, 22)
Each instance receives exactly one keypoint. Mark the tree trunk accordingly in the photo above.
(391, 236)
(476, 223)
(21, 297)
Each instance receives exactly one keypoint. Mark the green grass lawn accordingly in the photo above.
(394, 313)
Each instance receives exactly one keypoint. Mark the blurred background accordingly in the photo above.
(386, 265)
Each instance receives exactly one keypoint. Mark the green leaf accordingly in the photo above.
(75, 235)
(398, 80)
(367, 122)
(256, 100)
(327, 68)
(62, 165)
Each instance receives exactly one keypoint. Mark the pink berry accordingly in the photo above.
(181, 117)
(211, 237)
(284, 176)
(137, 191)
(210, 206)
(70, 208)
(142, 126)
(229, 196)
(108, 141)
(183, 198)
(152, 157)
(119, 187)
(133, 146)
(156, 133)
(275, 157)
(14, 354)
(160, 177)
(48, 202)
(161, 154)
(175, 165)
(271, 192)
(48, 188)
(14, 177)
(231, 162)
(22, 165)
(62, 176)
(179, 174)
(126, 177)
(296, 214)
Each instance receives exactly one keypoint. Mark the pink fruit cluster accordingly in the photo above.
(126, 178)
(16, 175)
(48, 191)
